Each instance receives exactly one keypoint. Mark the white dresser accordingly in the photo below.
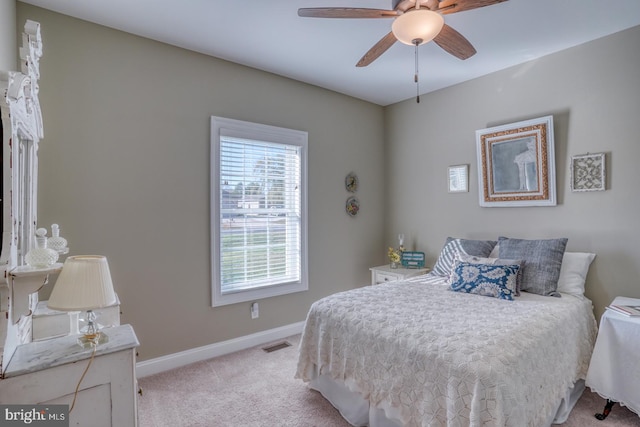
(48, 372)
(36, 368)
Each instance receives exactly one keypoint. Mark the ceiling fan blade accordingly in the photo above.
(454, 43)
(404, 5)
(378, 49)
(345, 12)
(453, 6)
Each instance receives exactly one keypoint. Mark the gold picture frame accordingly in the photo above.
(516, 164)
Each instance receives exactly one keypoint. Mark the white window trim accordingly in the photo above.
(242, 129)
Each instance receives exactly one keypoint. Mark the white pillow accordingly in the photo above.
(495, 251)
(573, 272)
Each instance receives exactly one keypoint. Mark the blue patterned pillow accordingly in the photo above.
(498, 281)
(497, 261)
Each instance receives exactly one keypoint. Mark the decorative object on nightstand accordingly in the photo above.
(627, 310)
(41, 256)
(412, 259)
(56, 242)
(613, 370)
(395, 255)
(84, 284)
(385, 273)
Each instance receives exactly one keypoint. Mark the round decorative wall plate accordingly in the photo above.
(351, 183)
(353, 206)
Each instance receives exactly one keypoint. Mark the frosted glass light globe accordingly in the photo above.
(418, 24)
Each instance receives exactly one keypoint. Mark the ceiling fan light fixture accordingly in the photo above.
(420, 25)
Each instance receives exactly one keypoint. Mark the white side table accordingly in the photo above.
(385, 273)
(614, 371)
(49, 371)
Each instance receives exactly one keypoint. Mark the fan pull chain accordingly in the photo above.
(416, 42)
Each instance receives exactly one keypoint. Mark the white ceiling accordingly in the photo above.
(269, 35)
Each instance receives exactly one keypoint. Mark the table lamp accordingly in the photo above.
(84, 284)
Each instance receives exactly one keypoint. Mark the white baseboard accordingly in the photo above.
(176, 360)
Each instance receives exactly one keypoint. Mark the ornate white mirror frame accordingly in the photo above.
(21, 132)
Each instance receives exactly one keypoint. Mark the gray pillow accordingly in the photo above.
(454, 247)
(542, 262)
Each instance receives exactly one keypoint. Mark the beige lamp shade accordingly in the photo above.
(83, 284)
(420, 25)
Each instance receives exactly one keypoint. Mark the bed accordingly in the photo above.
(418, 353)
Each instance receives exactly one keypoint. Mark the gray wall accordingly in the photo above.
(593, 92)
(124, 170)
(8, 44)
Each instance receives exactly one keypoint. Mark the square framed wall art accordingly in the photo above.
(588, 172)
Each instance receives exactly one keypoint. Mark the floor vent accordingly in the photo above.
(275, 347)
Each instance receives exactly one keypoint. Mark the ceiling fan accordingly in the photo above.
(416, 22)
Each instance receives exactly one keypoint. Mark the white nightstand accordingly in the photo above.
(385, 273)
(613, 371)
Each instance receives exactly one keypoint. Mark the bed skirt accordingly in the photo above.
(356, 410)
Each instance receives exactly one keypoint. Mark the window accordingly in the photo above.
(258, 211)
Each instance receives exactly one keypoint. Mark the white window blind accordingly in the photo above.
(259, 227)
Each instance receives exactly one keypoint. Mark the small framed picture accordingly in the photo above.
(458, 178)
(588, 172)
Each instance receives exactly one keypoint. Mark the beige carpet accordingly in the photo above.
(253, 388)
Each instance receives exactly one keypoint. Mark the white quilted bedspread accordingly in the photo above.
(446, 358)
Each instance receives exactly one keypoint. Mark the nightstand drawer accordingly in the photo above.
(385, 277)
(385, 273)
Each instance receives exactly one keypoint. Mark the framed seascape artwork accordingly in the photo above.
(458, 178)
(516, 164)
(588, 172)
